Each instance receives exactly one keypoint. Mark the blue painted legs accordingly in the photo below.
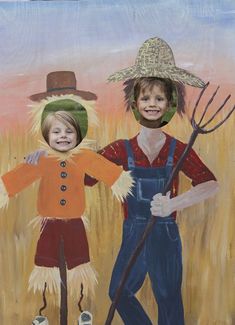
(161, 258)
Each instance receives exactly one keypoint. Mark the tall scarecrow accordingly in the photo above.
(154, 159)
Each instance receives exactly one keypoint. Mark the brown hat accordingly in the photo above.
(155, 59)
(62, 83)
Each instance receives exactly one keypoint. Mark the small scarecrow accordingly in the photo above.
(62, 254)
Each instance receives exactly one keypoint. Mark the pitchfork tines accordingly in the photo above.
(200, 127)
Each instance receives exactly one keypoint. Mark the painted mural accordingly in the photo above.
(99, 62)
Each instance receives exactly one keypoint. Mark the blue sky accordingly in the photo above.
(34, 30)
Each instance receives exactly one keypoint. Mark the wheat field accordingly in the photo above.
(207, 232)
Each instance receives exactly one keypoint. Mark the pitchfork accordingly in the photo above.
(198, 128)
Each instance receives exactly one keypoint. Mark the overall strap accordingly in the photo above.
(170, 159)
(130, 157)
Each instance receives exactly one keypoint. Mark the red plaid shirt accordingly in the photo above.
(192, 167)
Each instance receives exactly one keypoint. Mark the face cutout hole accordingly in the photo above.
(64, 124)
(153, 100)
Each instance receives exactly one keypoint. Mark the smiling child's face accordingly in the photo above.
(62, 137)
(152, 104)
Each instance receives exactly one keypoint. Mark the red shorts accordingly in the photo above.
(72, 232)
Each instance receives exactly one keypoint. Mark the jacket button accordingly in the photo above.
(63, 174)
(62, 163)
(63, 188)
(63, 202)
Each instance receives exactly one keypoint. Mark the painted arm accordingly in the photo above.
(33, 159)
(163, 206)
(203, 181)
(112, 152)
(16, 180)
(121, 187)
(111, 174)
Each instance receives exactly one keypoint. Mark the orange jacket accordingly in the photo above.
(61, 190)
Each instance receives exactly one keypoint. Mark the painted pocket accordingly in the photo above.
(172, 231)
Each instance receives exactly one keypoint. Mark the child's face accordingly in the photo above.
(152, 104)
(62, 137)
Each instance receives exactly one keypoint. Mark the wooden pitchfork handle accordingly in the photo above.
(198, 128)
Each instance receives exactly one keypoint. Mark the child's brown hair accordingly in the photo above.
(133, 87)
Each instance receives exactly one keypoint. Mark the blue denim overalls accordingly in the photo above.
(160, 256)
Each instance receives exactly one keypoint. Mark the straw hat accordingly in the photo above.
(155, 59)
(62, 83)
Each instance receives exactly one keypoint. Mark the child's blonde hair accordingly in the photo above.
(66, 118)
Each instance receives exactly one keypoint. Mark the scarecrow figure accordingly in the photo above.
(61, 198)
(150, 87)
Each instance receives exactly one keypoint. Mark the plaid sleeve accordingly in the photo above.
(115, 152)
(193, 167)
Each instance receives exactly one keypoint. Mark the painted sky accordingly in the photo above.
(95, 38)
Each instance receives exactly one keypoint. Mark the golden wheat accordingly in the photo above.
(207, 235)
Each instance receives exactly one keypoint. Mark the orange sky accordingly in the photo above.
(209, 55)
(14, 97)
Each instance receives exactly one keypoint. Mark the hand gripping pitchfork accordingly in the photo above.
(198, 128)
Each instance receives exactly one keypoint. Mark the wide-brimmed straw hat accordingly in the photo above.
(62, 83)
(155, 59)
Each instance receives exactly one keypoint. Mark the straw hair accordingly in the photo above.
(123, 186)
(4, 198)
(155, 59)
(37, 110)
(67, 155)
(84, 273)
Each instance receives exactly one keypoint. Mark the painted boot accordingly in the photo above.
(40, 320)
(85, 318)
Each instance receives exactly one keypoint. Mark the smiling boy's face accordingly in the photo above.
(62, 137)
(152, 104)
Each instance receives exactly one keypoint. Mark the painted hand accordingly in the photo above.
(161, 205)
(33, 158)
